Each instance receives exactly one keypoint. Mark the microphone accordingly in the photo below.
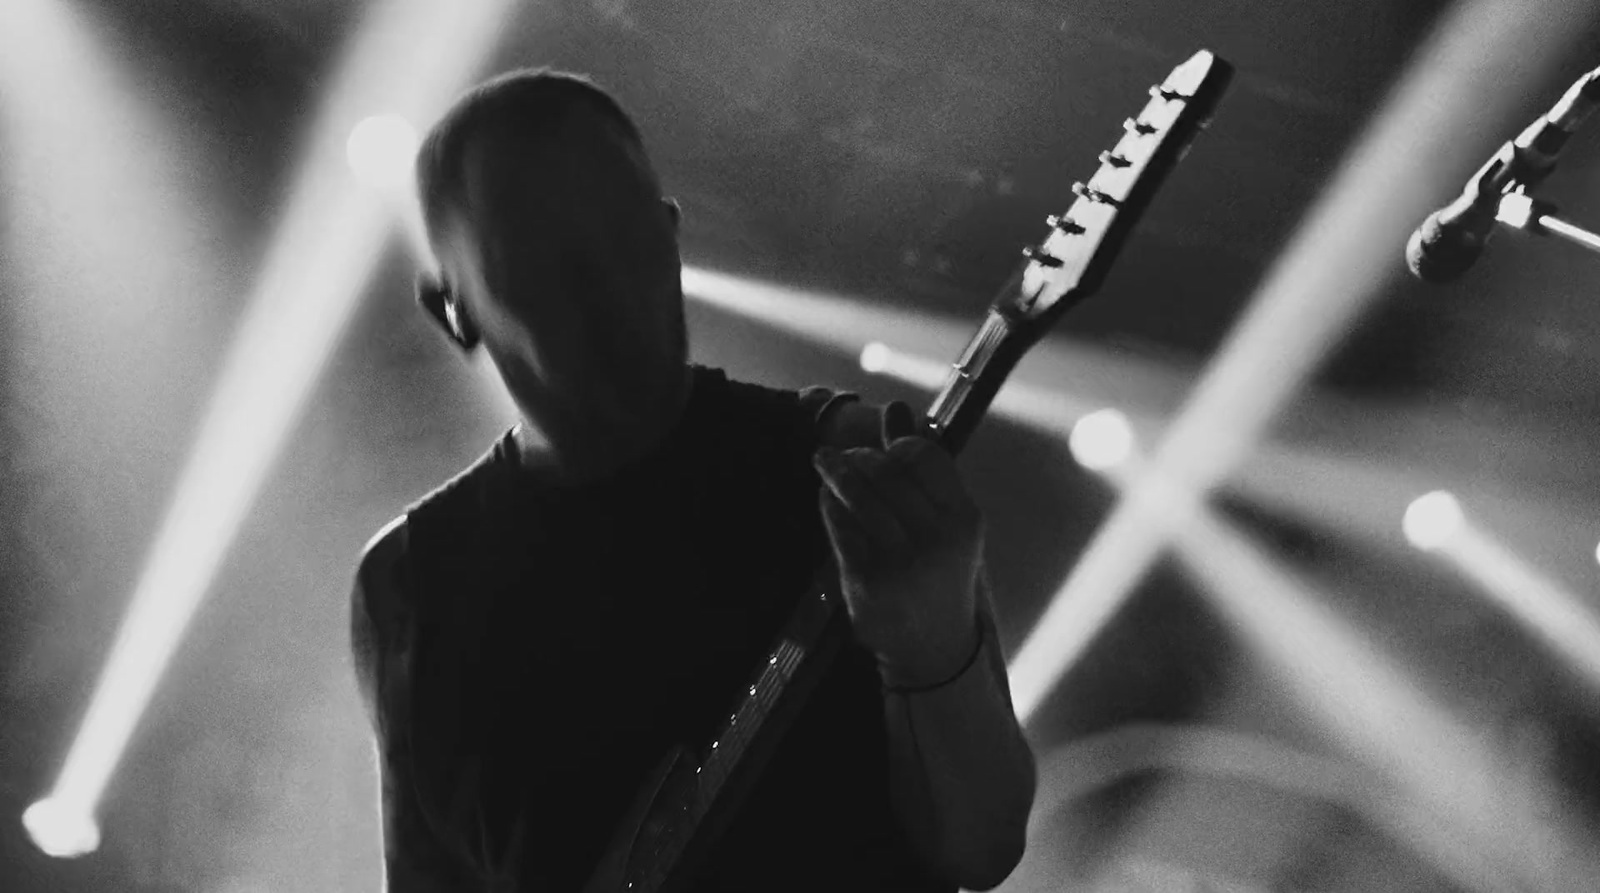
(1451, 238)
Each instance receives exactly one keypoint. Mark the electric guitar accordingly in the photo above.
(690, 797)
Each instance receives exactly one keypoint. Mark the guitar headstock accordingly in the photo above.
(1068, 265)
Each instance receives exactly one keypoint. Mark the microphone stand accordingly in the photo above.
(1520, 211)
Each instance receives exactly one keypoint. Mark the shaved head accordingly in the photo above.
(522, 107)
(557, 248)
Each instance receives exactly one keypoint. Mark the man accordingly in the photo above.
(532, 637)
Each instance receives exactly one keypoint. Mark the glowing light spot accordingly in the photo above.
(1101, 440)
(61, 829)
(1433, 520)
(381, 150)
(875, 357)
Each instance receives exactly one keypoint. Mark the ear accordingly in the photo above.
(673, 211)
(446, 309)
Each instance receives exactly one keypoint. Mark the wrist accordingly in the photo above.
(912, 678)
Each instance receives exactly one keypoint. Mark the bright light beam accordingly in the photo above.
(1357, 494)
(852, 324)
(1319, 487)
(1555, 614)
(1360, 696)
(1353, 690)
(329, 239)
(1475, 68)
(1050, 410)
(103, 225)
(837, 321)
(1313, 486)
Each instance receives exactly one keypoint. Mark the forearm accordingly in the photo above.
(962, 775)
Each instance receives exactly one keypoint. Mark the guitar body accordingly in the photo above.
(682, 808)
(647, 818)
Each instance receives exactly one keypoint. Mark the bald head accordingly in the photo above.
(553, 237)
(524, 110)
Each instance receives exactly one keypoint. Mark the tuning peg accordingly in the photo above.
(1041, 257)
(1066, 225)
(1113, 159)
(1169, 95)
(1138, 127)
(1085, 191)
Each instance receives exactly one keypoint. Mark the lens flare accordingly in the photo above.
(875, 357)
(1101, 440)
(381, 150)
(60, 829)
(1433, 520)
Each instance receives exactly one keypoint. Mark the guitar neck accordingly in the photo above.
(975, 379)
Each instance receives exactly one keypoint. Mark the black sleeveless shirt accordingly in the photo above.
(557, 641)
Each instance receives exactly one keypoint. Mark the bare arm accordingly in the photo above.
(962, 775)
(414, 859)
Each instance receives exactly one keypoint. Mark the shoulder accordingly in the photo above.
(373, 601)
(383, 554)
(380, 577)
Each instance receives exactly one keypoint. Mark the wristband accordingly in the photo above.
(919, 689)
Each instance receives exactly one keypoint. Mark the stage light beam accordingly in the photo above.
(1558, 617)
(1471, 69)
(1353, 690)
(331, 234)
(1363, 698)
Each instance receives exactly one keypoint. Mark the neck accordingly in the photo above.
(569, 449)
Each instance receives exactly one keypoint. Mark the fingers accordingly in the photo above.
(856, 484)
(851, 544)
(893, 503)
(933, 472)
(929, 466)
(898, 421)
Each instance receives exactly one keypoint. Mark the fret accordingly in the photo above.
(762, 697)
(951, 404)
(763, 694)
(736, 736)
